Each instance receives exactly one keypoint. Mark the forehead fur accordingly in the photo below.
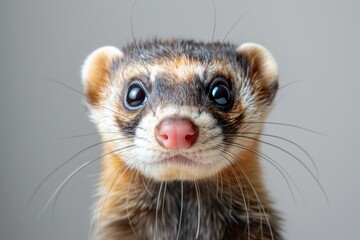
(178, 61)
(180, 68)
(150, 50)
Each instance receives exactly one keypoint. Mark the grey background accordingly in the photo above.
(316, 44)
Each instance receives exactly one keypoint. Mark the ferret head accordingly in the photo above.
(175, 110)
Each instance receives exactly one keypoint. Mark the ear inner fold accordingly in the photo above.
(263, 69)
(96, 72)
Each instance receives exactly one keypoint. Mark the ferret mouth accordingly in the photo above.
(178, 160)
(183, 167)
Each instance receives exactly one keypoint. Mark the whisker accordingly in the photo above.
(98, 204)
(234, 25)
(288, 125)
(241, 190)
(181, 210)
(113, 111)
(204, 105)
(61, 166)
(127, 205)
(228, 32)
(163, 201)
(276, 165)
(150, 105)
(215, 20)
(217, 184)
(83, 95)
(87, 135)
(288, 84)
(146, 185)
(132, 27)
(199, 208)
(253, 189)
(291, 142)
(298, 160)
(119, 175)
(260, 202)
(80, 135)
(157, 208)
(66, 86)
(244, 199)
(222, 186)
(230, 195)
(68, 178)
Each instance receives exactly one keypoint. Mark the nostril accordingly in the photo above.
(164, 136)
(190, 137)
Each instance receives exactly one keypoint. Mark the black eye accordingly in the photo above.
(220, 94)
(136, 96)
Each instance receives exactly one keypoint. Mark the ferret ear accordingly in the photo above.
(262, 69)
(97, 71)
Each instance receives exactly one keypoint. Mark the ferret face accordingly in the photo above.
(174, 110)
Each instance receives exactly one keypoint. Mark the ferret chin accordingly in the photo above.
(175, 117)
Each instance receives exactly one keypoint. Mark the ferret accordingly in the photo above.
(180, 122)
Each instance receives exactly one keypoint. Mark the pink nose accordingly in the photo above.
(176, 133)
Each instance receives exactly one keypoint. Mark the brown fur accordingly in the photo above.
(127, 200)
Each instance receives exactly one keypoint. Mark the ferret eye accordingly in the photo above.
(220, 94)
(135, 96)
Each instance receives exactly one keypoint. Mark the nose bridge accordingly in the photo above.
(176, 91)
(184, 93)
